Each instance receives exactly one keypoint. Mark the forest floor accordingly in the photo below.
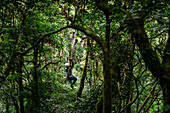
(67, 102)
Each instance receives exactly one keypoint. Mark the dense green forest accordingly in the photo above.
(120, 50)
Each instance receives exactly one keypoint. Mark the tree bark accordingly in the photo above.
(15, 103)
(19, 70)
(35, 94)
(7, 106)
(147, 98)
(107, 92)
(99, 105)
(158, 69)
(165, 80)
(84, 74)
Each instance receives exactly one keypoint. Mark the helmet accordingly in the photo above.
(67, 64)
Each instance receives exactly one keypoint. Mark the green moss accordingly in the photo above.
(99, 105)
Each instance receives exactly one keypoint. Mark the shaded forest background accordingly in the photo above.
(121, 51)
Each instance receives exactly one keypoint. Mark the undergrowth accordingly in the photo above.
(62, 98)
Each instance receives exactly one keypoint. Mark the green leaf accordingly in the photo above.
(167, 107)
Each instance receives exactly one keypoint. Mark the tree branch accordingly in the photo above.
(50, 63)
(89, 33)
(86, 31)
(155, 97)
(148, 54)
(40, 39)
(147, 98)
(131, 102)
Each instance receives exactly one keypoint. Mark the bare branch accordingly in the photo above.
(50, 63)
(131, 102)
(147, 98)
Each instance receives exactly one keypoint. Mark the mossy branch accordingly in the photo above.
(89, 33)
(131, 102)
(39, 40)
(56, 62)
(147, 98)
(86, 31)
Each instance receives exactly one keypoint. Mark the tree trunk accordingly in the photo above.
(90, 79)
(160, 71)
(21, 98)
(99, 105)
(165, 81)
(15, 103)
(165, 85)
(107, 92)
(35, 79)
(129, 81)
(107, 97)
(7, 106)
(94, 72)
(83, 74)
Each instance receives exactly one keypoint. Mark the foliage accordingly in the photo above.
(33, 54)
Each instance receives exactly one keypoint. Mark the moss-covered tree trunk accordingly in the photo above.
(99, 105)
(105, 45)
(84, 74)
(159, 70)
(21, 98)
(107, 92)
(35, 93)
(165, 80)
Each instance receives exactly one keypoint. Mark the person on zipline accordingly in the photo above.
(68, 71)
